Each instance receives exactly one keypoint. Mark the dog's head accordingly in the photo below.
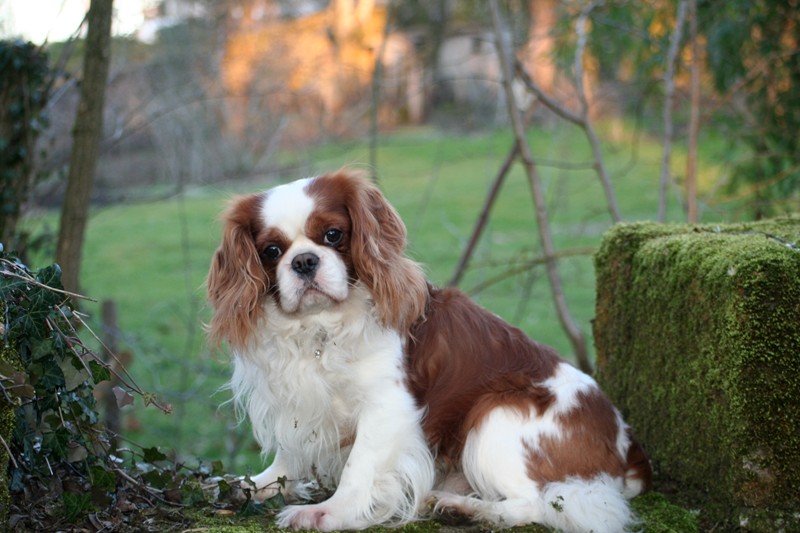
(306, 245)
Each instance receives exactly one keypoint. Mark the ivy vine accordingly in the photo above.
(25, 79)
(63, 469)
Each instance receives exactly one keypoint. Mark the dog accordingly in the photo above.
(363, 377)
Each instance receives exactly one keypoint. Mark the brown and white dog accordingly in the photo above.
(362, 377)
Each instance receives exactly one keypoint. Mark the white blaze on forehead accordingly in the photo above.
(288, 207)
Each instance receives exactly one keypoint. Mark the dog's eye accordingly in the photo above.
(272, 252)
(333, 237)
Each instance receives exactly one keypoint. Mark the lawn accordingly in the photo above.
(151, 258)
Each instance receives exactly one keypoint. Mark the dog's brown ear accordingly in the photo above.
(378, 243)
(237, 282)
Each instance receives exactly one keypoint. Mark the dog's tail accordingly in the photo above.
(574, 505)
(580, 505)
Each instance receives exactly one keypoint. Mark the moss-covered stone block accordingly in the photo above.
(697, 331)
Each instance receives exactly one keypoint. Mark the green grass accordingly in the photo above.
(151, 259)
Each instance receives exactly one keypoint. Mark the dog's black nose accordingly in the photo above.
(305, 264)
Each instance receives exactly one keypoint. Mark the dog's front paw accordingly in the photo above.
(258, 490)
(317, 517)
(448, 507)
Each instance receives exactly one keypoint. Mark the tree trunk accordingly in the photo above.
(87, 134)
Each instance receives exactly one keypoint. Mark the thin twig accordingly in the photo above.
(583, 118)
(129, 382)
(32, 281)
(669, 97)
(694, 118)
(580, 31)
(526, 266)
(155, 493)
(480, 224)
(552, 104)
(8, 452)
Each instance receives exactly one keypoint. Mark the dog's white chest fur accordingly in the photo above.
(306, 383)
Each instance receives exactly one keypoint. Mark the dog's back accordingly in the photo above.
(534, 437)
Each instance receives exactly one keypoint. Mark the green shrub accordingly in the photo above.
(47, 378)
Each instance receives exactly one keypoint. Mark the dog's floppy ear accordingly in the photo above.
(378, 242)
(237, 282)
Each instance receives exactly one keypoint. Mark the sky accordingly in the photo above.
(57, 20)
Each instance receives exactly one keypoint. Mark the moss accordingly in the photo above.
(7, 417)
(697, 332)
(658, 515)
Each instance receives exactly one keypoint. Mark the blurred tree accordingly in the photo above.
(538, 54)
(24, 88)
(87, 134)
(752, 54)
(754, 50)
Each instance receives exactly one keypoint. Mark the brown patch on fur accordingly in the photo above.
(587, 447)
(237, 281)
(376, 246)
(638, 465)
(463, 361)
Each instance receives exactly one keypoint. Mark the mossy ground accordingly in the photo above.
(657, 515)
(698, 341)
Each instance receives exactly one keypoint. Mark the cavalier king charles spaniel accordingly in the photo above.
(398, 396)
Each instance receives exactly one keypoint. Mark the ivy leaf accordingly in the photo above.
(99, 372)
(123, 397)
(81, 407)
(251, 508)
(224, 490)
(50, 276)
(102, 478)
(74, 376)
(41, 348)
(276, 502)
(156, 479)
(153, 455)
(47, 375)
(192, 493)
(76, 505)
(58, 443)
(76, 452)
(104, 484)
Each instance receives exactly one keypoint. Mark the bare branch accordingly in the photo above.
(572, 330)
(551, 104)
(484, 215)
(32, 281)
(8, 452)
(521, 268)
(581, 119)
(124, 376)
